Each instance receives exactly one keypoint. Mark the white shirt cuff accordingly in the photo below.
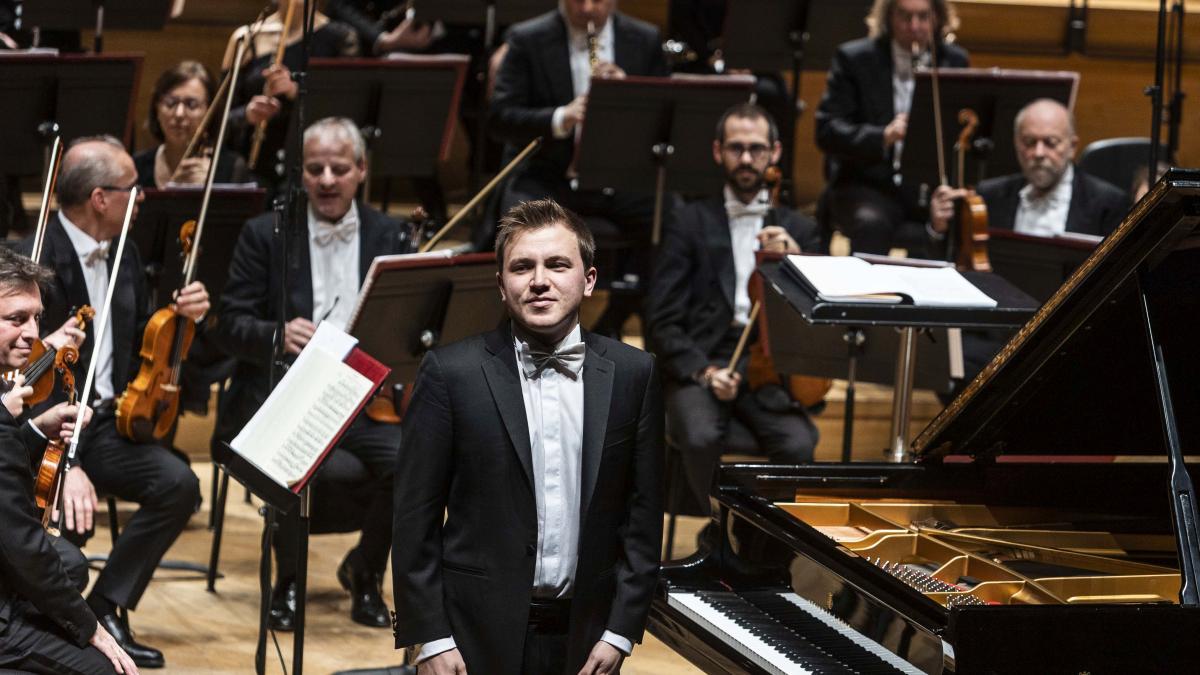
(556, 123)
(617, 641)
(36, 429)
(432, 649)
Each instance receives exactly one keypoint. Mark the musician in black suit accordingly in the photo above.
(528, 500)
(45, 624)
(341, 239)
(1050, 195)
(698, 304)
(541, 90)
(863, 118)
(93, 191)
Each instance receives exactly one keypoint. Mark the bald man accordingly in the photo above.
(93, 192)
(1049, 196)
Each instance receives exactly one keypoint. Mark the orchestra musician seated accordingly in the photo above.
(862, 120)
(343, 236)
(699, 304)
(93, 190)
(45, 624)
(181, 98)
(1049, 196)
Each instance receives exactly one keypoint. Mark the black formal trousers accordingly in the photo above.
(160, 482)
(699, 425)
(361, 469)
(545, 652)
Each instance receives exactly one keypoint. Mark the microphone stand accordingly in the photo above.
(291, 213)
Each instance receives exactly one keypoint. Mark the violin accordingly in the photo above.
(972, 211)
(42, 360)
(149, 406)
(47, 488)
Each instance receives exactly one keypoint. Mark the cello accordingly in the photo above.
(147, 409)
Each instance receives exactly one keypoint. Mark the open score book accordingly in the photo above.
(850, 279)
(307, 412)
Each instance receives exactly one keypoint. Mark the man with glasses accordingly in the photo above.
(93, 191)
(698, 305)
(1049, 196)
(343, 236)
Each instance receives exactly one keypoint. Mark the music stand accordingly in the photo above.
(480, 12)
(1012, 310)
(1038, 265)
(643, 131)
(406, 106)
(80, 94)
(996, 96)
(156, 233)
(101, 14)
(418, 302)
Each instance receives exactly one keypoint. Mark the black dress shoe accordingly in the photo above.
(366, 597)
(143, 656)
(283, 607)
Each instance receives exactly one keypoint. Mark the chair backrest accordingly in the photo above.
(1117, 159)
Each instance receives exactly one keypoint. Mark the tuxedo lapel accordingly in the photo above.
(558, 62)
(720, 243)
(882, 77)
(61, 257)
(300, 294)
(597, 395)
(124, 318)
(1076, 219)
(504, 382)
(372, 239)
(625, 46)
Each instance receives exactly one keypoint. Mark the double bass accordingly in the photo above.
(147, 409)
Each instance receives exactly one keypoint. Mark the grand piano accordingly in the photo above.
(1046, 522)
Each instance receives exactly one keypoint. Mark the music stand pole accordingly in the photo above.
(906, 359)
(98, 39)
(855, 338)
(301, 580)
(661, 152)
(1155, 91)
(481, 108)
(796, 37)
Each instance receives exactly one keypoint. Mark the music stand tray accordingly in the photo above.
(85, 94)
(409, 104)
(417, 302)
(81, 14)
(996, 96)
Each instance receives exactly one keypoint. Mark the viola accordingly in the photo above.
(47, 488)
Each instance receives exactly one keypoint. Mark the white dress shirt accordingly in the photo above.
(1046, 215)
(745, 222)
(554, 412)
(333, 249)
(93, 259)
(581, 67)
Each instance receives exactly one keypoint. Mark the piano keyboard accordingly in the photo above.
(784, 634)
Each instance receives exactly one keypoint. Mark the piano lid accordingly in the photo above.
(1078, 378)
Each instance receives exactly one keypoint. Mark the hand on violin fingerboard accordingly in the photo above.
(192, 301)
(70, 333)
(59, 421)
(14, 399)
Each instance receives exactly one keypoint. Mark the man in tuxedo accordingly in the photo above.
(1050, 195)
(863, 118)
(341, 238)
(45, 624)
(541, 90)
(93, 190)
(528, 501)
(698, 305)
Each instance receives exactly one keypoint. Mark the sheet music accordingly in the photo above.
(851, 279)
(305, 412)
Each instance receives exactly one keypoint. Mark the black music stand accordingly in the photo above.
(405, 105)
(98, 14)
(156, 233)
(996, 96)
(1038, 265)
(431, 299)
(645, 131)
(1013, 308)
(77, 94)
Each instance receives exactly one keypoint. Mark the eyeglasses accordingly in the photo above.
(168, 103)
(115, 188)
(757, 150)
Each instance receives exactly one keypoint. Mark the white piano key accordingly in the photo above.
(746, 643)
(863, 641)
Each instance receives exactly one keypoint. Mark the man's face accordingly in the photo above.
(580, 12)
(913, 21)
(746, 153)
(114, 199)
(1045, 144)
(19, 311)
(543, 281)
(331, 176)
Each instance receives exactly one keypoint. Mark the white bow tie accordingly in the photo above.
(97, 255)
(736, 209)
(343, 229)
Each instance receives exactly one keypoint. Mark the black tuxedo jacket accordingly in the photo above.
(858, 104)
(466, 453)
(689, 305)
(1097, 207)
(535, 78)
(30, 569)
(250, 303)
(130, 305)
